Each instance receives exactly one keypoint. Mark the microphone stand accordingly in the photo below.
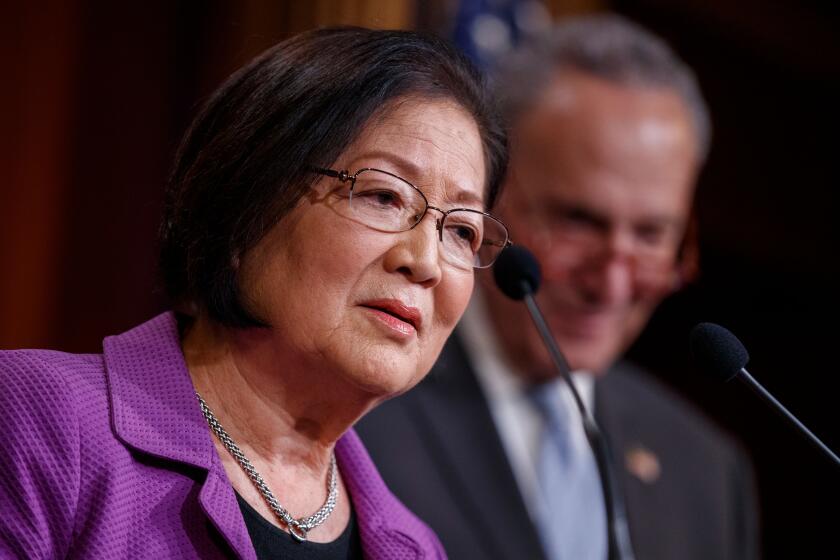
(618, 533)
(745, 377)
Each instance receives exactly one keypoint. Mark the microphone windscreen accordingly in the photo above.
(517, 272)
(717, 351)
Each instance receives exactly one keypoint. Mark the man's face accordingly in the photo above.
(600, 188)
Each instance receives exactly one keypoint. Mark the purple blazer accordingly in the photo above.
(109, 456)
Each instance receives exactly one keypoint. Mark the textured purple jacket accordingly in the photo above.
(109, 456)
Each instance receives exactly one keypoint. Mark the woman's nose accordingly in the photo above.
(416, 253)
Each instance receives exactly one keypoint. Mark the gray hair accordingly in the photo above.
(607, 46)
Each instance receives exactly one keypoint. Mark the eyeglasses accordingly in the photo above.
(388, 203)
(562, 245)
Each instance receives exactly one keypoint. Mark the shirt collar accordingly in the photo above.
(500, 378)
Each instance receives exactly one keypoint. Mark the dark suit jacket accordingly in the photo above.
(438, 449)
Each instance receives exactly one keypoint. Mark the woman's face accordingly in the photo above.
(345, 300)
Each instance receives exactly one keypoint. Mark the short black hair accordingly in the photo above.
(245, 161)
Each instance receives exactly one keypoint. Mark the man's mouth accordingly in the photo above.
(581, 323)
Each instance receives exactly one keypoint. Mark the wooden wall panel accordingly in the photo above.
(40, 61)
(95, 100)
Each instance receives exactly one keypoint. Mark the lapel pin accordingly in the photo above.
(643, 464)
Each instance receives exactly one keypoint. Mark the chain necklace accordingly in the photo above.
(298, 528)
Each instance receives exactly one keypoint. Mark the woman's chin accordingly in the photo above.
(386, 379)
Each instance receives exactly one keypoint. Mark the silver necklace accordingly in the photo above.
(298, 528)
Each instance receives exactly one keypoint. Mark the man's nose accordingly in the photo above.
(608, 276)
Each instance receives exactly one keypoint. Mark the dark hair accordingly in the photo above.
(609, 47)
(244, 163)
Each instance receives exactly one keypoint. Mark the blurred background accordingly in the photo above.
(96, 96)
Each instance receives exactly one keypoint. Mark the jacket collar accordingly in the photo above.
(386, 527)
(153, 402)
(154, 410)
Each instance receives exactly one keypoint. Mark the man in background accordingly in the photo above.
(608, 134)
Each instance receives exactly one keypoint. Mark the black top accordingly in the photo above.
(271, 542)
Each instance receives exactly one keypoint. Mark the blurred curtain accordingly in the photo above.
(96, 96)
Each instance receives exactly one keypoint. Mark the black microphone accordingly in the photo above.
(721, 354)
(517, 274)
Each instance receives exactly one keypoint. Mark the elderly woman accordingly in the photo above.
(322, 224)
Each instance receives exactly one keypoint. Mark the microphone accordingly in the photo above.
(721, 354)
(517, 274)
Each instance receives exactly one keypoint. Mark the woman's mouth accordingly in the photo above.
(400, 317)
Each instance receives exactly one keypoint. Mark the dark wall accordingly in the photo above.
(96, 97)
(767, 210)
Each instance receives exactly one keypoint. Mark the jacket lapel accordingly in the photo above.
(154, 411)
(620, 415)
(386, 528)
(450, 407)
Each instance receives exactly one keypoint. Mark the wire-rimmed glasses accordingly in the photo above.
(388, 203)
(566, 239)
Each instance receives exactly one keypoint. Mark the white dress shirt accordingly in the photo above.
(517, 419)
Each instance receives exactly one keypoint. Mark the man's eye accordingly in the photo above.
(651, 235)
(577, 219)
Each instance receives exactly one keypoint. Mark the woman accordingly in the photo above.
(320, 232)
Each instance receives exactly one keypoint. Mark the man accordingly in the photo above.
(608, 133)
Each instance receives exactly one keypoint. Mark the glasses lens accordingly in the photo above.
(385, 202)
(472, 239)
(572, 246)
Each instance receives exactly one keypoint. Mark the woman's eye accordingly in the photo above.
(464, 236)
(465, 233)
(381, 198)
